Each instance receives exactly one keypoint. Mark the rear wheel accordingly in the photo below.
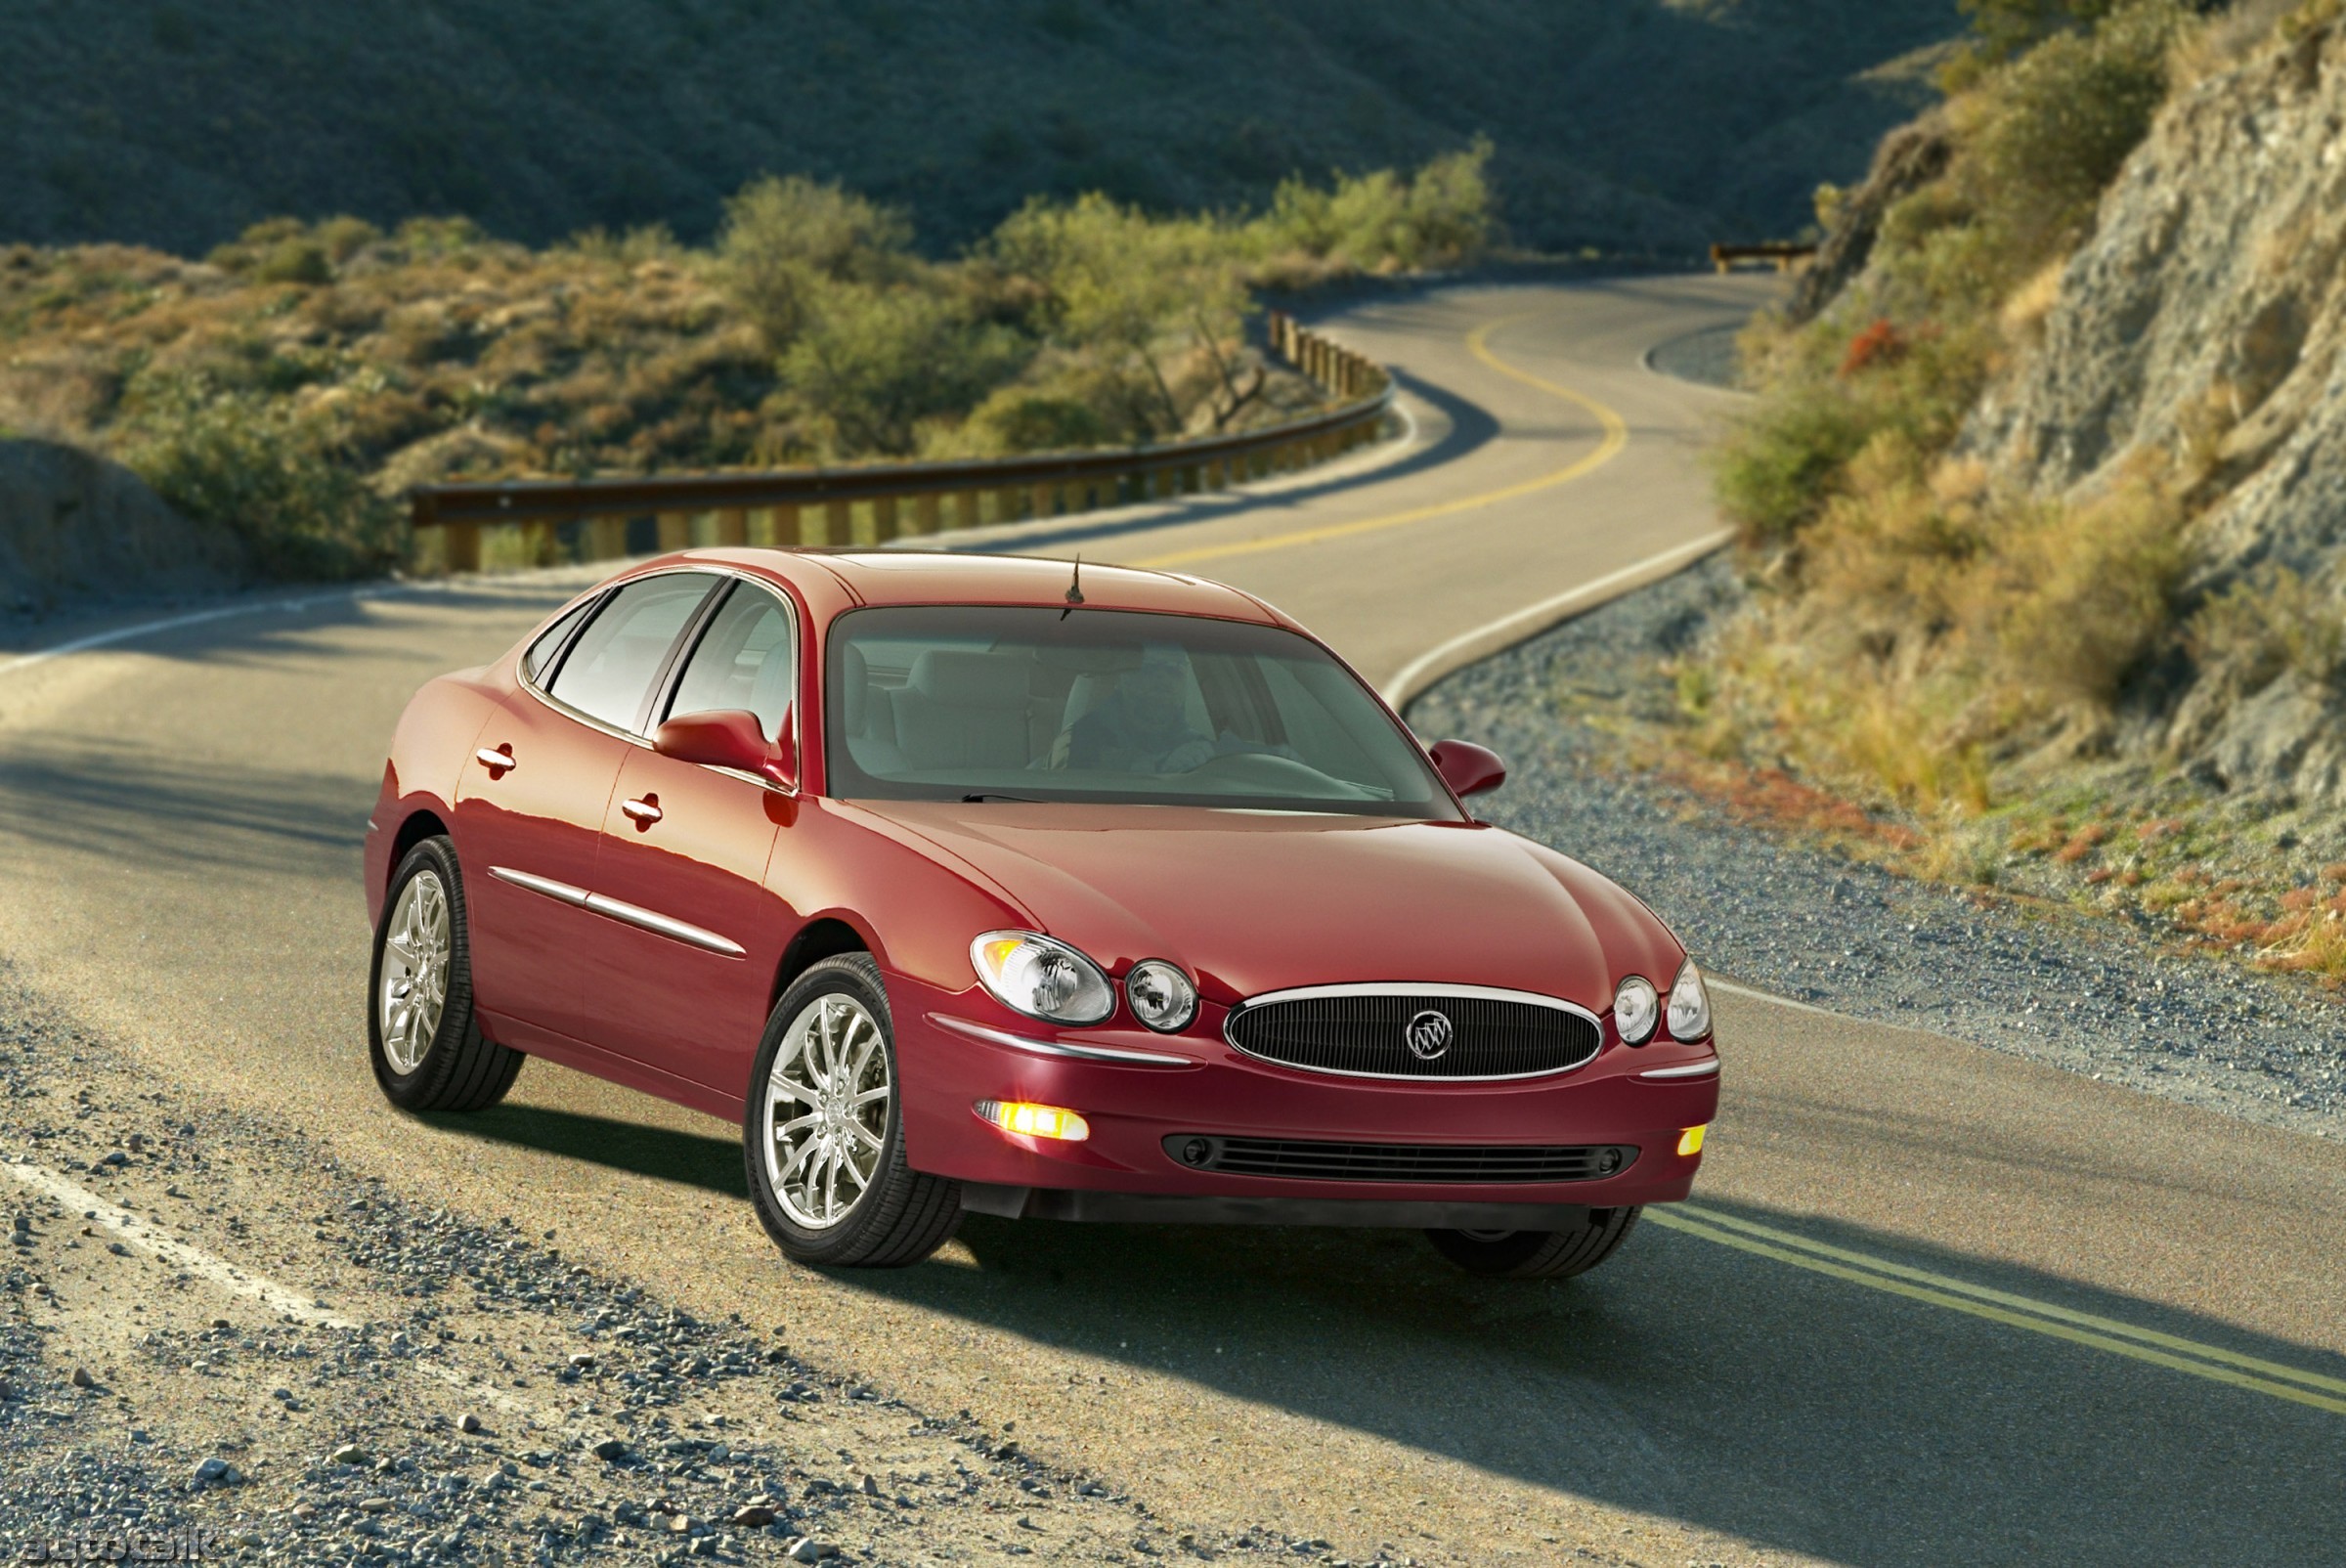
(823, 1137)
(426, 1046)
(1538, 1254)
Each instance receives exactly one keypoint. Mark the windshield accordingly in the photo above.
(960, 702)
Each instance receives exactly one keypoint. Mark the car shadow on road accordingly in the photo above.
(1764, 1393)
(665, 1154)
(1690, 1378)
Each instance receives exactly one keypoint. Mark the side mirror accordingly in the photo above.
(1468, 769)
(729, 737)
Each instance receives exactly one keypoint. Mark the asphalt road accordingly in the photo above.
(1931, 1304)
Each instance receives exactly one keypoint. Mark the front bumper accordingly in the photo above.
(956, 1049)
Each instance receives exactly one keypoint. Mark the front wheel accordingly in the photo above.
(1538, 1254)
(823, 1135)
(426, 1046)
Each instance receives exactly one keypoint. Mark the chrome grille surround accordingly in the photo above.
(1358, 1031)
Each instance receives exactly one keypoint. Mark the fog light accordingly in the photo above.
(1690, 1142)
(1035, 1122)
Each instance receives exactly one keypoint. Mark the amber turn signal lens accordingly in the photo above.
(1035, 1122)
(1690, 1142)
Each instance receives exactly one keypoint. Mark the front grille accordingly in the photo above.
(1345, 1029)
(1396, 1162)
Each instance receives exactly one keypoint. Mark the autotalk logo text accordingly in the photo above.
(191, 1543)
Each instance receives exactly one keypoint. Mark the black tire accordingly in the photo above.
(1538, 1254)
(461, 1069)
(901, 1216)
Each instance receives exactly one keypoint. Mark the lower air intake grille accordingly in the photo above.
(1293, 1159)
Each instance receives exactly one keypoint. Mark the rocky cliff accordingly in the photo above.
(2199, 333)
(76, 526)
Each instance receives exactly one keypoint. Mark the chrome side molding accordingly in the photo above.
(651, 920)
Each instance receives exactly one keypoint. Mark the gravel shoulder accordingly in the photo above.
(1776, 910)
(433, 1389)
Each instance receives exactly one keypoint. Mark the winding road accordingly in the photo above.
(1931, 1304)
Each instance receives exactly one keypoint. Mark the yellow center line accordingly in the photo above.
(1614, 437)
(2171, 1351)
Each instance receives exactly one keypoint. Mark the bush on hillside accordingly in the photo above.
(243, 460)
(784, 239)
(1384, 221)
(872, 363)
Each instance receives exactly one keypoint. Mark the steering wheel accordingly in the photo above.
(1269, 770)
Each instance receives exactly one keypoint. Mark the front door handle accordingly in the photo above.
(497, 762)
(643, 813)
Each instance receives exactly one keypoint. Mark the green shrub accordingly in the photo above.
(1780, 463)
(784, 238)
(1384, 221)
(294, 261)
(876, 363)
(244, 461)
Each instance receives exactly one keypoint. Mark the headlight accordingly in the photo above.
(1041, 978)
(1635, 1010)
(1689, 1005)
(1161, 995)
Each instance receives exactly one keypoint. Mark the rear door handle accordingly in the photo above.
(646, 811)
(495, 761)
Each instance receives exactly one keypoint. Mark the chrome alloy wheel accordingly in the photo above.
(414, 988)
(826, 1112)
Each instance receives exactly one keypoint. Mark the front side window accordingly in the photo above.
(610, 669)
(954, 701)
(744, 659)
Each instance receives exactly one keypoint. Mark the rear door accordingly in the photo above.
(531, 806)
(680, 972)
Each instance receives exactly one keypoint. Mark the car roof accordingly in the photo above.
(962, 577)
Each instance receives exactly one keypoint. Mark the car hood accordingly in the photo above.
(1255, 901)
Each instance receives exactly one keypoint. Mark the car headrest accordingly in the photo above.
(770, 694)
(856, 678)
(970, 679)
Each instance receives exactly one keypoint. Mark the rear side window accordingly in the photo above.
(539, 661)
(609, 670)
(744, 659)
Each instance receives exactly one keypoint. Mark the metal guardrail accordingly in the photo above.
(1782, 252)
(542, 522)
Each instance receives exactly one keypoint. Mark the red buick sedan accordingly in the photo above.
(966, 884)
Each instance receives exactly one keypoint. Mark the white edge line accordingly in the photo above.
(145, 629)
(1488, 638)
(136, 1232)
(292, 605)
(194, 1260)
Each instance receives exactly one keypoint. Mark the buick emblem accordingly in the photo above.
(1428, 1034)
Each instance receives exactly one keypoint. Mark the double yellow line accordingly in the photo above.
(2171, 1351)
(1615, 435)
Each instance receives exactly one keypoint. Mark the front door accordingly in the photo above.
(529, 810)
(680, 968)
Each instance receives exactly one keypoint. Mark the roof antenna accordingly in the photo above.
(1075, 587)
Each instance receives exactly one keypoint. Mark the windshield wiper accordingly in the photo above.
(1022, 800)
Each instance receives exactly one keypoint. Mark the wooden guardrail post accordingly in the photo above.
(923, 513)
(838, 523)
(965, 508)
(462, 545)
(733, 527)
(884, 518)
